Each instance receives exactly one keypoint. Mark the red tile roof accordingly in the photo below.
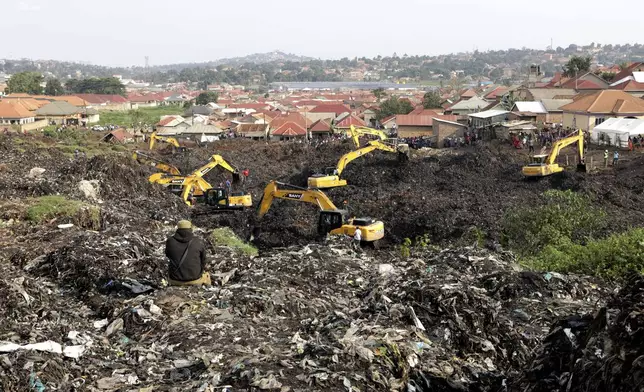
(469, 93)
(499, 91)
(607, 102)
(321, 126)
(629, 85)
(11, 110)
(628, 71)
(421, 121)
(102, 98)
(423, 112)
(289, 117)
(255, 106)
(290, 129)
(350, 120)
(166, 121)
(335, 109)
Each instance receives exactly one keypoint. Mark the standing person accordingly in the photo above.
(531, 145)
(357, 238)
(187, 255)
(606, 158)
(615, 157)
(245, 174)
(228, 186)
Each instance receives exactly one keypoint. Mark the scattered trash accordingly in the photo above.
(115, 326)
(36, 172)
(66, 226)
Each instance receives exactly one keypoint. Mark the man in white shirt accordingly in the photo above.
(357, 238)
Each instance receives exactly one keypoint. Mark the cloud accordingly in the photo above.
(27, 7)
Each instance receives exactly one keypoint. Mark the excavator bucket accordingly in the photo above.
(581, 167)
(236, 177)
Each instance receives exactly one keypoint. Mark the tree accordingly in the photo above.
(431, 100)
(207, 97)
(577, 65)
(109, 86)
(54, 87)
(25, 82)
(393, 106)
(379, 93)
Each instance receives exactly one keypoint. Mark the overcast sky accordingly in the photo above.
(122, 32)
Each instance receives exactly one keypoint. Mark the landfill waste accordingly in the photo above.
(600, 351)
(309, 316)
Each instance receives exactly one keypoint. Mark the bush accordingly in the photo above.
(51, 207)
(563, 218)
(614, 257)
(224, 236)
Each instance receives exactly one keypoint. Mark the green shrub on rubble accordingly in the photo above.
(224, 236)
(46, 208)
(563, 217)
(614, 257)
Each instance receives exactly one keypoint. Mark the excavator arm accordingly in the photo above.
(578, 138)
(216, 160)
(194, 185)
(355, 134)
(163, 166)
(353, 155)
(313, 196)
(170, 140)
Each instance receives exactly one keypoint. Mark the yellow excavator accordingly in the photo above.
(194, 186)
(355, 133)
(331, 220)
(330, 178)
(542, 165)
(148, 160)
(166, 139)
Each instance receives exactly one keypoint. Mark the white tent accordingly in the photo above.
(616, 131)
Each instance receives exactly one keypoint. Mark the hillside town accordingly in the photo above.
(300, 111)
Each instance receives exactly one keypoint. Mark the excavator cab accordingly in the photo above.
(219, 198)
(331, 220)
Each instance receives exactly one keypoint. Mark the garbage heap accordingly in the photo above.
(312, 318)
(593, 352)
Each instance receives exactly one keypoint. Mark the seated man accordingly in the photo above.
(187, 255)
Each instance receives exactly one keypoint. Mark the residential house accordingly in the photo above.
(630, 80)
(529, 111)
(467, 94)
(539, 94)
(443, 129)
(497, 93)
(410, 125)
(144, 101)
(369, 116)
(488, 118)
(119, 136)
(60, 112)
(553, 106)
(346, 120)
(203, 110)
(327, 111)
(586, 82)
(106, 102)
(473, 105)
(591, 110)
(89, 115)
(321, 128)
(171, 125)
(288, 131)
(252, 131)
(202, 133)
(14, 114)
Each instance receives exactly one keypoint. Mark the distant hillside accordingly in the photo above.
(256, 58)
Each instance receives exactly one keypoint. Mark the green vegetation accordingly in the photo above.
(564, 234)
(614, 257)
(47, 208)
(207, 97)
(109, 85)
(25, 82)
(132, 118)
(54, 87)
(393, 106)
(224, 236)
(431, 100)
(577, 65)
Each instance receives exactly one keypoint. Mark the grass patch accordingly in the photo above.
(130, 118)
(614, 257)
(224, 236)
(47, 208)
